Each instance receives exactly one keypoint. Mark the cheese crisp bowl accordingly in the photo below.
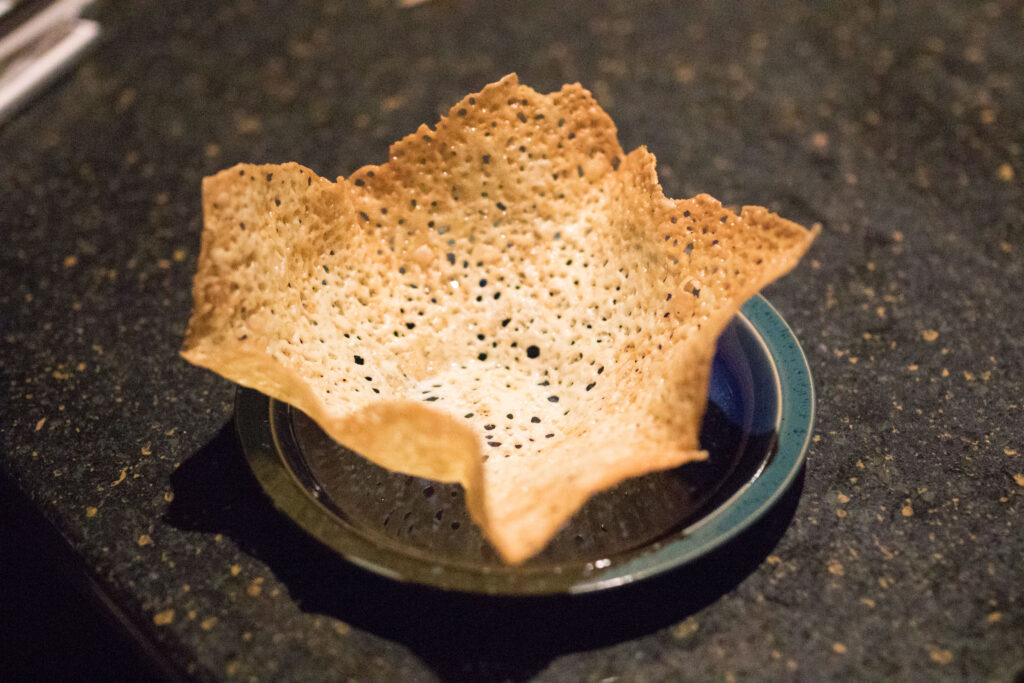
(510, 305)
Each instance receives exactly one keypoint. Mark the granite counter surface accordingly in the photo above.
(899, 127)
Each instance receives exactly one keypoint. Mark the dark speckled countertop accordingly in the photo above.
(897, 126)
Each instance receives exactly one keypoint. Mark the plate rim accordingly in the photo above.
(795, 421)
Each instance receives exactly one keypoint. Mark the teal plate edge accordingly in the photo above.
(794, 429)
(794, 423)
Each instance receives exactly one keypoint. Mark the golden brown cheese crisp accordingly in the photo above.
(510, 302)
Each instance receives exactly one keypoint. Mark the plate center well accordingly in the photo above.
(428, 520)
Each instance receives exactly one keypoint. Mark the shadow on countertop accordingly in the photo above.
(457, 635)
(57, 622)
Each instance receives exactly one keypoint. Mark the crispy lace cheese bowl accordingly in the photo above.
(509, 303)
(756, 431)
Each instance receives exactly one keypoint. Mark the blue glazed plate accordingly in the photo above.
(756, 430)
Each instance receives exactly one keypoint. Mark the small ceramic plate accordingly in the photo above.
(758, 423)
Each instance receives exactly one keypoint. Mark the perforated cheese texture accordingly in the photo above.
(510, 303)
